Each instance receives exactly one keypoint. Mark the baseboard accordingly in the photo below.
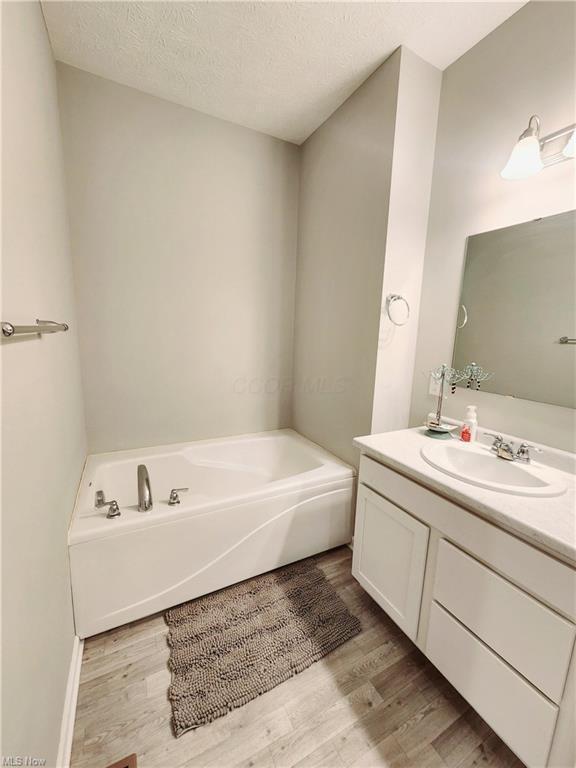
(70, 700)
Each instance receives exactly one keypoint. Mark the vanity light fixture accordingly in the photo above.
(570, 148)
(528, 157)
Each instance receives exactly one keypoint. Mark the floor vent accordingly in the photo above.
(126, 762)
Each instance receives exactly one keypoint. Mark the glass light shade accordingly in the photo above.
(524, 160)
(570, 148)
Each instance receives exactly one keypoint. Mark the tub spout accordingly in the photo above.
(144, 490)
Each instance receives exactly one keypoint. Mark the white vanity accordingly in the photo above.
(480, 574)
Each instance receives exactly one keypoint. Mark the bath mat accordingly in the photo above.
(229, 647)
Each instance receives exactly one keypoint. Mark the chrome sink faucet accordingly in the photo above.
(144, 489)
(502, 449)
(505, 450)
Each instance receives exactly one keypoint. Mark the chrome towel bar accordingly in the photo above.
(42, 326)
(566, 340)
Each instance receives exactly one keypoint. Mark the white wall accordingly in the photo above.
(43, 436)
(525, 66)
(183, 230)
(410, 185)
(364, 198)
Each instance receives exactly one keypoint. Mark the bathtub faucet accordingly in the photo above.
(144, 490)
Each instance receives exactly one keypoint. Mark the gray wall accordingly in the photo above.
(42, 419)
(364, 196)
(525, 66)
(344, 192)
(183, 230)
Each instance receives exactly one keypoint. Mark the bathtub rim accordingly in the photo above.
(332, 471)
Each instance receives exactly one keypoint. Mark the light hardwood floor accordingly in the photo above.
(375, 701)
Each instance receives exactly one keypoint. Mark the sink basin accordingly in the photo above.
(479, 466)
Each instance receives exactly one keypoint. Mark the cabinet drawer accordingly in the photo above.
(389, 558)
(519, 714)
(528, 635)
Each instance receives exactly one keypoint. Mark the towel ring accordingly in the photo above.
(390, 299)
(464, 317)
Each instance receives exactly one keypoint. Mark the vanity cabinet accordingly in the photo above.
(390, 557)
(496, 615)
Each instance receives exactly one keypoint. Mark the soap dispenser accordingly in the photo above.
(471, 422)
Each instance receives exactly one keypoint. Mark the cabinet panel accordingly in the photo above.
(532, 638)
(519, 714)
(390, 557)
(541, 575)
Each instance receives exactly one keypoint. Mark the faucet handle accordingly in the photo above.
(113, 508)
(174, 497)
(498, 440)
(523, 452)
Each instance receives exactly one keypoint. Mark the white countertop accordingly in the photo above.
(548, 523)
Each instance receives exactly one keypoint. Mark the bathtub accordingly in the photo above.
(256, 502)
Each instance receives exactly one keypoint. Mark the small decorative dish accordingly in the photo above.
(441, 427)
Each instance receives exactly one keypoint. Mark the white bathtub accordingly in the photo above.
(256, 502)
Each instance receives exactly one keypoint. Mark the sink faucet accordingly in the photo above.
(144, 490)
(505, 450)
(500, 448)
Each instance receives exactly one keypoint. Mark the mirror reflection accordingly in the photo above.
(517, 316)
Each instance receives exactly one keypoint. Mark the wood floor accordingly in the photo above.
(375, 701)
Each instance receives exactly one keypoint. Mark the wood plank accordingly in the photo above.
(327, 723)
(377, 725)
(460, 739)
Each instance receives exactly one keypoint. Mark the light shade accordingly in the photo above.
(570, 148)
(525, 159)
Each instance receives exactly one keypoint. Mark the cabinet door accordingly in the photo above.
(390, 557)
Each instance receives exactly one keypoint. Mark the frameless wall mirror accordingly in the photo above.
(517, 316)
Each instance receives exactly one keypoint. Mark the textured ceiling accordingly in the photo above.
(278, 67)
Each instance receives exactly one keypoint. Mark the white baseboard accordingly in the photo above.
(69, 712)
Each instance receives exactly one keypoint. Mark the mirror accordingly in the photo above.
(517, 302)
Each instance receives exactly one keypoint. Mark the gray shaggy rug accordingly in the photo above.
(229, 647)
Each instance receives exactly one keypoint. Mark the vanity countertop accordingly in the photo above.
(548, 523)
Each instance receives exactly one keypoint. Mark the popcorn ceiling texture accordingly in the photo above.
(277, 67)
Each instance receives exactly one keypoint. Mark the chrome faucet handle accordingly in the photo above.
(113, 508)
(523, 452)
(174, 497)
(498, 440)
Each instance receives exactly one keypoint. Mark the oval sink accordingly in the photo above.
(479, 466)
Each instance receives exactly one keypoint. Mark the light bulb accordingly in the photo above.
(570, 148)
(524, 160)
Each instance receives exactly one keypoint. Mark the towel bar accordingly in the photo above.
(42, 326)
